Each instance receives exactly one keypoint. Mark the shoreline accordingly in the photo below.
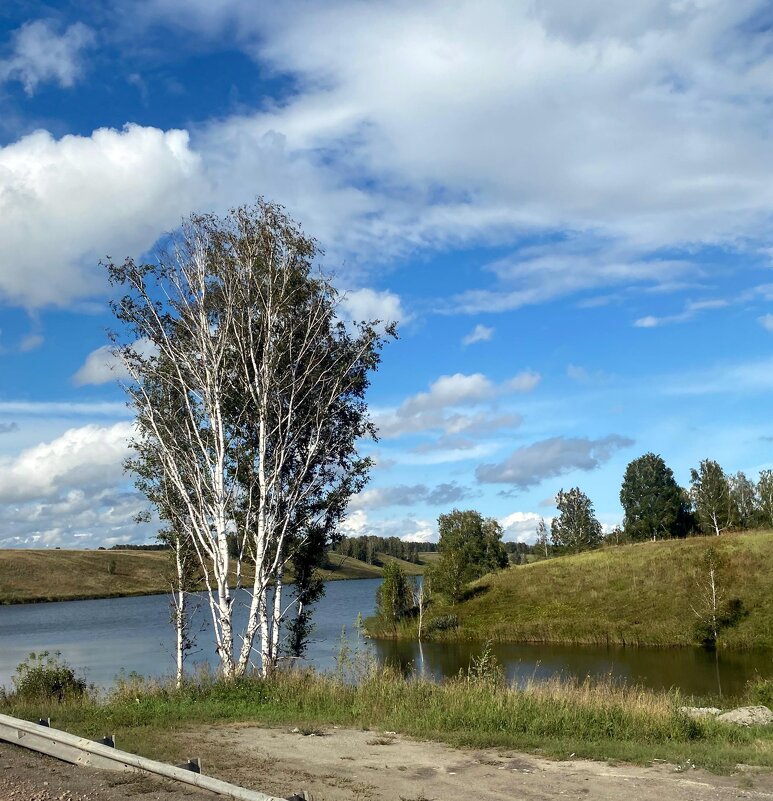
(43, 599)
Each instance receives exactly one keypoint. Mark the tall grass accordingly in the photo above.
(600, 719)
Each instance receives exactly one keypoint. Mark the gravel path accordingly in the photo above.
(29, 776)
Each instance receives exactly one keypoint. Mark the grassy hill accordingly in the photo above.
(634, 595)
(59, 575)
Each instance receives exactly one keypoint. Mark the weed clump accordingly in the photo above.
(47, 677)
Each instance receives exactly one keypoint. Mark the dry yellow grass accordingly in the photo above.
(31, 575)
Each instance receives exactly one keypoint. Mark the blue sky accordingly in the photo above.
(566, 207)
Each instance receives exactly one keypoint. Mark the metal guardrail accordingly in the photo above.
(81, 751)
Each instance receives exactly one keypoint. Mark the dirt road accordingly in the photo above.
(349, 765)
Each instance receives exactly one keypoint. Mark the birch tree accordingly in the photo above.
(744, 499)
(542, 541)
(712, 498)
(251, 402)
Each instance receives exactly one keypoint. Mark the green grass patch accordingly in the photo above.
(638, 594)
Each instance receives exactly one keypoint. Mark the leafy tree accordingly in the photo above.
(713, 609)
(395, 595)
(469, 546)
(765, 495)
(712, 498)
(744, 500)
(575, 528)
(651, 499)
(249, 392)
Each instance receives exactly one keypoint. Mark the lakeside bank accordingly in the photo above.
(44, 575)
(646, 594)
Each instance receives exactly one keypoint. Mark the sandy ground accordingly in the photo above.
(350, 765)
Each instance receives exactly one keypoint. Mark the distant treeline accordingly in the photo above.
(368, 548)
(132, 547)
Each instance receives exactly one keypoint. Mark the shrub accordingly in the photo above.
(760, 691)
(444, 623)
(43, 677)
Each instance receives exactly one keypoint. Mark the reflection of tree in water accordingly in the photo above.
(693, 670)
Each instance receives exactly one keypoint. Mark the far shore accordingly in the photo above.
(30, 576)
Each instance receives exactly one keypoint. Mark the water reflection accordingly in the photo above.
(693, 670)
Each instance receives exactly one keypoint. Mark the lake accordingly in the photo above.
(106, 636)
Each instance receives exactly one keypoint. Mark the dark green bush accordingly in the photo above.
(45, 677)
(443, 623)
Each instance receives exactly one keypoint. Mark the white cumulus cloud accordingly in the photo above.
(89, 456)
(65, 203)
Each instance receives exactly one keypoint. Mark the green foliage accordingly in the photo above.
(765, 496)
(760, 691)
(485, 668)
(368, 547)
(575, 528)
(47, 677)
(714, 610)
(744, 501)
(652, 500)
(469, 546)
(712, 498)
(394, 597)
(442, 623)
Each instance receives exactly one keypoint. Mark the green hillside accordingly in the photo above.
(639, 594)
(28, 575)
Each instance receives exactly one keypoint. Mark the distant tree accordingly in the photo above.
(651, 499)
(542, 543)
(744, 500)
(765, 495)
(575, 528)
(616, 537)
(395, 595)
(469, 547)
(712, 498)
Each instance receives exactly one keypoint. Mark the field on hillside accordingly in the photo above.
(640, 594)
(58, 575)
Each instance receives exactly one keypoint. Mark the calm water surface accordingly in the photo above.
(105, 637)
